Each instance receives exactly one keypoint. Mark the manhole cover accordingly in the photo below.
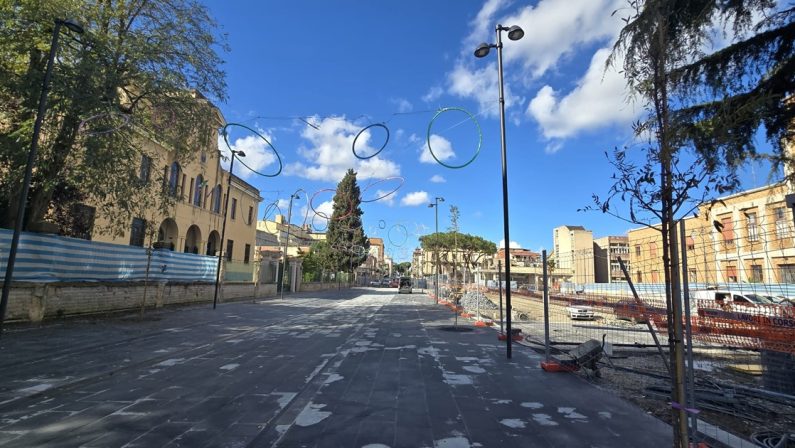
(454, 328)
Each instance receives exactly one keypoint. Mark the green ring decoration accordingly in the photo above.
(428, 137)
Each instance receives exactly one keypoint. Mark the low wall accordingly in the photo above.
(318, 286)
(35, 302)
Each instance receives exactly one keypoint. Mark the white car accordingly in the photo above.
(580, 312)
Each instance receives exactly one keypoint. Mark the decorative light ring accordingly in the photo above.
(81, 128)
(271, 207)
(402, 181)
(405, 235)
(376, 125)
(480, 137)
(381, 224)
(316, 228)
(225, 134)
(323, 215)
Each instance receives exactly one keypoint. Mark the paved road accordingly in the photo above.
(352, 368)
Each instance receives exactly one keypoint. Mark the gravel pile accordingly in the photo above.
(470, 301)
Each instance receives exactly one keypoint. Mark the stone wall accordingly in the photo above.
(35, 302)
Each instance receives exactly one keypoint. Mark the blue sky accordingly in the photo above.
(310, 75)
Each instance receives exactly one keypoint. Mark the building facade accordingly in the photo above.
(574, 252)
(607, 251)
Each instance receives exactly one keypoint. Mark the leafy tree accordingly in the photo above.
(403, 268)
(470, 247)
(133, 76)
(345, 234)
(473, 248)
(318, 260)
(703, 109)
(454, 217)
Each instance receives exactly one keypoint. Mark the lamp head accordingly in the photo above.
(239, 153)
(431, 205)
(515, 32)
(482, 50)
(440, 199)
(71, 24)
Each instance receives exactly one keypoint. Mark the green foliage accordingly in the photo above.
(471, 247)
(318, 259)
(345, 234)
(135, 70)
(403, 268)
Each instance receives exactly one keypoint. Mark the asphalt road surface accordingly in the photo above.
(354, 368)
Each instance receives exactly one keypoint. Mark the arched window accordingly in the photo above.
(217, 199)
(197, 195)
(173, 179)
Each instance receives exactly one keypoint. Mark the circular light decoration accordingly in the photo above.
(405, 235)
(273, 206)
(225, 134)
(386, 195)
(125, 121)
(376, 125)
(381, 224)
(428, 137)
(316, 228)
(323, 215)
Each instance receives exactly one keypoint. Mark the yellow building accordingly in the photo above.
(194, 222)
(574, 252)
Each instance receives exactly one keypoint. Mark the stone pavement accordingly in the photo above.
(352, 368)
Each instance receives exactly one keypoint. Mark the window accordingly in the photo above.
(204, 156)
(138, 232)
(637, 251)
(182, 187)
(727, 230)
(692, 275)
(691, 243)
(234, 208)
(173, 179)
(250, 215)
(247, 254)
(786, 273)
(753, 226)
(756, 273)
(190, 191)
(653, 249)
(217, 199)
(731, 274)
(146, 168)
(230, 245)
(82, 225)
(197, 194)
(655, 276)
(782, 229)
(639, 277)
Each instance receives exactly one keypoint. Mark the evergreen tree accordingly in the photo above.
(345, 234)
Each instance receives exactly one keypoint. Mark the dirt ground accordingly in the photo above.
(728, 380)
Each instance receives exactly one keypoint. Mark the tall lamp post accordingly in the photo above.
(514, 33)
(223, 226)
(287, 242)
(34, 145)
(435, 206)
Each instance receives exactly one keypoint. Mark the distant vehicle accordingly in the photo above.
(580, 312)
(375, 283)
(385, 282)
(632, 311)
(405, 285)
(394, 283)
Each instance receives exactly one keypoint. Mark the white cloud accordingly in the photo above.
(402, 104)
(258, 155)
(387, 197)
(415, 198)
(483, 24)
(330, 152)
(433, 94)
(480, 84)
(318, 220)
(284, 205)
(600, 99)
(442, 148)
(514, 244)
(437, 179)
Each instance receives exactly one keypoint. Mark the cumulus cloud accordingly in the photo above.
(442, 148)
(437, 179)
(433, 94)
(258, 155)
(319, 220)
(387, 197)
(514, 244)
(402, 104)
(598, 100)
(415, 198)
(480, 84)
(329, 154)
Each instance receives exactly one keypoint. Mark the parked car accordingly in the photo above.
(631, 310)
(394, 283)
(580, 312)
(375, 283)
(385, 283)
(405, 286)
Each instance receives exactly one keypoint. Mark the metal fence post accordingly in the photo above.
(546, 305)
(690, 390)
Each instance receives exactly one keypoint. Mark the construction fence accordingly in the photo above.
(737, 278)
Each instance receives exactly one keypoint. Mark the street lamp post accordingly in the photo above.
(514, 33)
(34, 145)
(223, 226)
(287, 242)
(435, 206)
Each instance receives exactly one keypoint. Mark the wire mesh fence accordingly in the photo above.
(737, 272)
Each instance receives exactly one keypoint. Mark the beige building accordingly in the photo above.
(607, 251)
(574, 252)
(194, 222)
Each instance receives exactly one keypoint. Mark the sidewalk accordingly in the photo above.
(336, 369)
